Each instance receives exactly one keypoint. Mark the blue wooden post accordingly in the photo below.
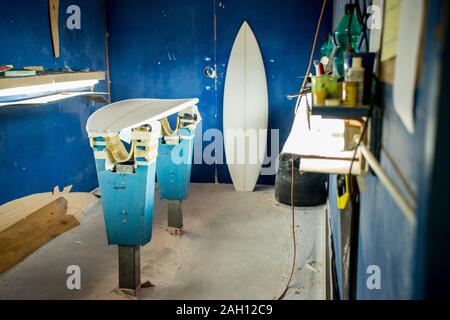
(174, 167)
(176, 149)
(128, 193)
(128, 189)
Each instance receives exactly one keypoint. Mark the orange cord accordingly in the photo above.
(305, 79)
(294, 238)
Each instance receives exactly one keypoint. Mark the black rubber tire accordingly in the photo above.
(309, 188)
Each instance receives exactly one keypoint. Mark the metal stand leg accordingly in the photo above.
(129, 268)
(175, 214)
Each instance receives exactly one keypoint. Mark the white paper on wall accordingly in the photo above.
(391, 23)
(375, 25)
(411, 22)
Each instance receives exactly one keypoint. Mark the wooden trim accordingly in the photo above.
(54, 25)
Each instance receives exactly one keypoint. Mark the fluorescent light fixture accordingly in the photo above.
(321, 143)
(315, 136)
(51, 98)
(45, 88)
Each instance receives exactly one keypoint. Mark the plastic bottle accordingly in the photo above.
(356, 74)
(327, 46)
(349, 29)
(347, 35)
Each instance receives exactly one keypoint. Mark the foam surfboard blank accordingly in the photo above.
(245, 111)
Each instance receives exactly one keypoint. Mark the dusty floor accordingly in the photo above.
(237, 246)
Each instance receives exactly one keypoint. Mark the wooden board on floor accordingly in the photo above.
(16, 210)
(25, 237)
(79, 203)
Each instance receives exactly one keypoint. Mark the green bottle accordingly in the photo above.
(327, 47)
(347, 37)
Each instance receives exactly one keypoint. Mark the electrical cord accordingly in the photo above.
(294, 238)
(311, 58)
(363, 18)
(366, 126)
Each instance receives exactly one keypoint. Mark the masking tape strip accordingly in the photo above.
(100, 155)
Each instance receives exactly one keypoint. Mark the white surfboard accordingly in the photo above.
(121, 117)
(245, 118)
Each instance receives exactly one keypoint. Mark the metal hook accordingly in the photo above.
(211, 72)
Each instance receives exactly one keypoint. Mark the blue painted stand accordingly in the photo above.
(127, 184)
(128, 201)
(174, 167)
(128, 189)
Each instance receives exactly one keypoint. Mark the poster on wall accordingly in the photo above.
(376, 25)
(392, 10)
(407, 56)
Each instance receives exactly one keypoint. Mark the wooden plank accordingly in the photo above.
(79, 203)
(54, 24)
(8, 83)
(23, 210)
(22, 202)
(25, 237)
(14, 211)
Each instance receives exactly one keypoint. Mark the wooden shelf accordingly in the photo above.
(341, 112)
(49, 78)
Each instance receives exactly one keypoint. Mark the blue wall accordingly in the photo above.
(45, 146)
(432, 270)
(161, 48)
(285, 32)
(386, 238)
(157, 49)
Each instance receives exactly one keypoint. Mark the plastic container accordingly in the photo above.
(356, 74)
(319, 90)
(332, 87)
(325, 87)
(368, 63)
(350, 94)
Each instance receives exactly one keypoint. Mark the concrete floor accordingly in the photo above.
(237, 246)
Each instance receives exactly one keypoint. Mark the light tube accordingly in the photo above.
(45, 88)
